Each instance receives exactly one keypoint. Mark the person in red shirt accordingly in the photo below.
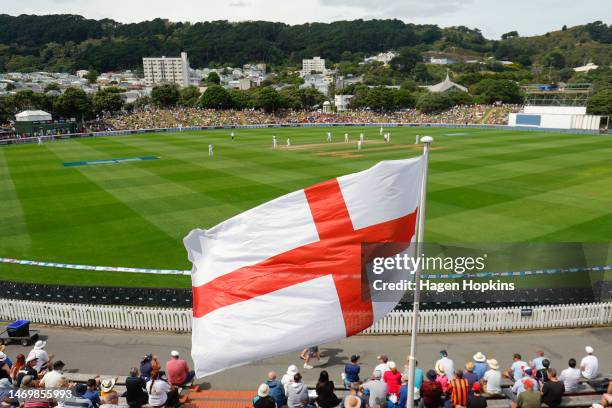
(177, 370)
(393, 378)
(431, 391)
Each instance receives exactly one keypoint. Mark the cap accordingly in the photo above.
(476, 386)
(589, 349)
(174, 353)
(391, 365)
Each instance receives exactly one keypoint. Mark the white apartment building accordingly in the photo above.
(316, 64)
(342, 102)
(166, 70)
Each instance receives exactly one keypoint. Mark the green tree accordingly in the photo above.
(310, 97)
(407, 59)
(510, 34)
(554, 59)
(107, 100)
(166, 95)
(74, 103)
(213, 78)
(268, 99)
(91, 76)
(52, 86)
(380, 99)
(215, 97)
(421, 74)
(601, 103)
(403, 99)
(434, 102)
(190, 95)
(493, 90)
(240, 99)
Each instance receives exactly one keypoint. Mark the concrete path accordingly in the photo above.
(112, 352)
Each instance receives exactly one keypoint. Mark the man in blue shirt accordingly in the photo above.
(480, 365)
(351, 371)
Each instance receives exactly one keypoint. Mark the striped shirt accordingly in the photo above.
(459, 391)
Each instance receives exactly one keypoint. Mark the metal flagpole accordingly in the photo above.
(426, 140)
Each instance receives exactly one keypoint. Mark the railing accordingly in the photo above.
(397, 322)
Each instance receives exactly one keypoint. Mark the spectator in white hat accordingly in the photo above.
(41, 354)
(177, 370)
(263, 399)
(289, 376)
(589, 365)
(492, 379)
(28, 370)
(480, 365)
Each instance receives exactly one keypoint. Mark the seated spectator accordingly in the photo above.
(529, 398)
(469, 375)
(351, 371)
(6, 396)
(43, 358)
(92, 393)
(276, 390)
(27, 370)
(606, 398)
(542, 373)
(519, 386)
(355, 398)
(160, 392)
(7, 360)
(178, 371)
(263, 399)
(536, 363)
(53, 378)
(403, 392)
(589, 366)
(5, 370)
(18, 365)
(480, 365)
(458, 389)
(445, 364)
(288, 377)
(515, 371)
(107, 389)
(149, 364)
(431, 391)
(112, 401)
(442, 378)
(297, 389)
(393, 378)
(492, 379)
(376, 387)
(27, 382)
(135, 394)
(475, 399)
(553, 389)
(326, 398)
(383, 365)
(418, 374)
(571, 377)
(77, 400)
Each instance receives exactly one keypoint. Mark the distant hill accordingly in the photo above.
(71, 42)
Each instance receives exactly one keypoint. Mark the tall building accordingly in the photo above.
(166, 70)
(316, 64)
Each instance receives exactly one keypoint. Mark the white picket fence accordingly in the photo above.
(398, 322)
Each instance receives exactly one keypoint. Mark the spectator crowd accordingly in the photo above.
(446, 384)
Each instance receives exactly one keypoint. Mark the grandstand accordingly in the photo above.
(558, 107)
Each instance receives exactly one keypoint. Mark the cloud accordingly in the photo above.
(400, 8)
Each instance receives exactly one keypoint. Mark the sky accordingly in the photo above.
(493, 17)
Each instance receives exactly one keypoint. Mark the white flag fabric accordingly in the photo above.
(288, 274)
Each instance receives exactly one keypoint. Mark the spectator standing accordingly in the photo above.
(178, 371)
(589, 366)
(529, 398)
(476, 399)
(297, 390)
(480, 365)
(376, 387)
(136, 396)
(431, 391)
(263, 399)
(458, 388)
(571, 377)
(276, 390)
(351, 371)
(326, 398)
(492, 379)
(393, 378)
(447, 365)
(553, 389)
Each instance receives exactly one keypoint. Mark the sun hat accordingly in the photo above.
(440, 369)
(30, 358)
(174, 353)
(391, 365)
(493, 364)
(39, 345)
(589, 349)
(469, 366)
(479, 357)
(292, 370)
(107, 385)
(263, 390)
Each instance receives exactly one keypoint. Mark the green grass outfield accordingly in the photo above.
(484, 186)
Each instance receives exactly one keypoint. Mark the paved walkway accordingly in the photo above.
(113, 352)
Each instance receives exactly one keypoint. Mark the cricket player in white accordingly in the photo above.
(210, 150)
(381, 130)
(232, 135)
(388, 137)
(274, 142)
(416, 141)
(359, 142)
(329, 136)
(346, 138)
(288, 142)
(39, 139)
(361, 137)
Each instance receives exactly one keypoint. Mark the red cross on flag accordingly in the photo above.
(287, 274)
